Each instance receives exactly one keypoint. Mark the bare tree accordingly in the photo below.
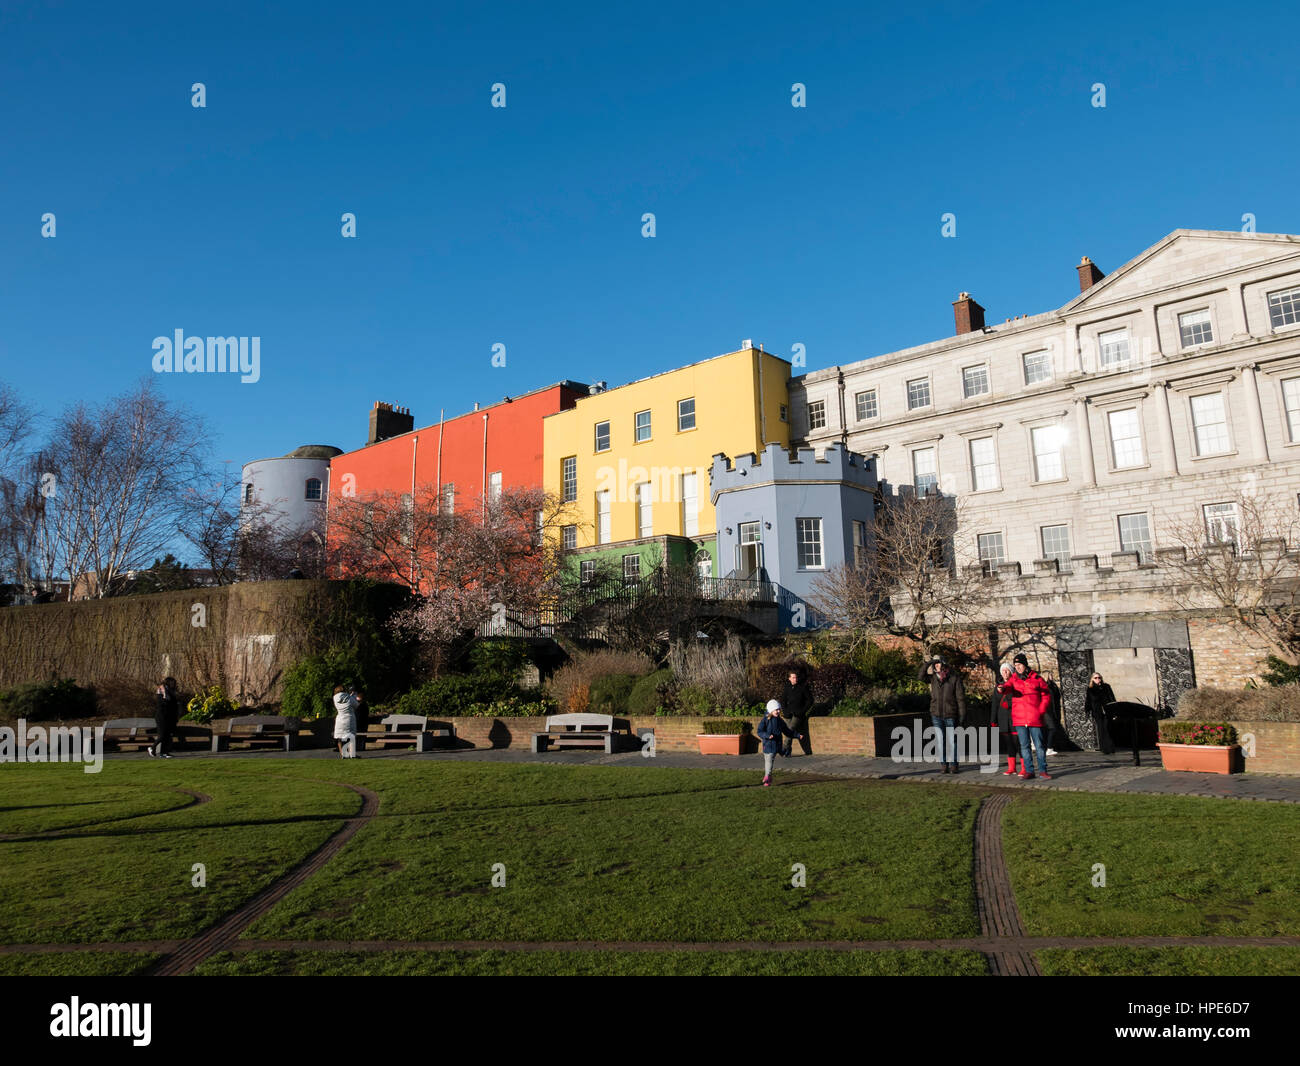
(1234, 561)
(118, 489)
(915, 583)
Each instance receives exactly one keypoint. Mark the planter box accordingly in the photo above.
(1202, 758)
(721, 743)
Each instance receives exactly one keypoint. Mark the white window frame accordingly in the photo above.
(568, 537)
(633, 572)
(1107, 364)
(569, 486)
(983, 368)
(1291, 414)
(987, 563)
(704, 564)
(449, 497)
(306, 489)
(929, 393)
(645, 522)
(1225, 510)
(1288, 304)
(586, 571)
(860, 543)
(802, 527)
(864, 399)
(683, 415)
(819, 406)
(1057, 432)
(1062, 559)
(991, 463)
(1143, 557)
(1046, 354)
(637, 427)
(934, 452)
(1209, 323)
(604, 517)
(1113, 452)
(608, 436)
(494, 486)
(690, 504)
(1196, 428)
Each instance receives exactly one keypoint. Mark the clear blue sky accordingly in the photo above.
(522, 225)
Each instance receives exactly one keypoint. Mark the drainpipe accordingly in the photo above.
(762, 408)
(415, 447)
(844, 423)
(441, 412)
(483, 476)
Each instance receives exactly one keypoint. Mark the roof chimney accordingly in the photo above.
(387, 421)
(1089, 275)
(969, 314)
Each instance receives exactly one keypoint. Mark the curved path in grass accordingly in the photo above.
(222, 936)
(197, 799)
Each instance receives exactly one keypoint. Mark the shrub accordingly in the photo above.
(872, 702)
(47, 701)
(1204, 734)
(453, 694)
(644, 698)
(725, 727)
(744, 710)
(695, 700)
(501, 659)
(1280, 672)
(885, 667)
(772, 678)
(609, 694)
(587, 667)
(309, 684)
(578, 698)
(208, 704)
(512, 707)
(720, 668)
(832, 682)
(1281, 704)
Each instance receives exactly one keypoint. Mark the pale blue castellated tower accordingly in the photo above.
(789, 519)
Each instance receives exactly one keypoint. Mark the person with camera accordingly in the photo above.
(947, 706)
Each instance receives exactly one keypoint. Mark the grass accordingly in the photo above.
(1174, 865)
(644, 854)
(598, 963)
(1172, 962)
(76, 964)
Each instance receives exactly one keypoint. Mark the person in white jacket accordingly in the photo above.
(345, 721)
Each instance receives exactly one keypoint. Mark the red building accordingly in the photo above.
(487, 449)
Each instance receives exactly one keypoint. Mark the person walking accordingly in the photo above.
(947, 706)
(345, 721)
(1100, 695)
(166, 714)
(770, 731)
(1030, 699)
(1002, 719)
(796, 703)
(1052, 716)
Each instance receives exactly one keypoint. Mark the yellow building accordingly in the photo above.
(633, 461)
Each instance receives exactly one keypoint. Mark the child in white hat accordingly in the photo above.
(770, 731)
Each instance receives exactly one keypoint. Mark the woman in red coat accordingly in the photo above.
(1030, 699)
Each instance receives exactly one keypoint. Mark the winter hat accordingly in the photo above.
(1021, 659)
(773, 706)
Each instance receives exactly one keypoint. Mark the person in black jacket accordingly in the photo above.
(770, 731)
(947, 706)
(166, 713)
(1099, 695)
(796, 706)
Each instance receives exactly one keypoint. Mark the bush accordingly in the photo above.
(453, 694)
(872, 702)
(1204, 734)
(501, 659)
(609, 694)
(695, 700)
(208, 704)
(832, 682)
(49, 701)
(1280, 672)
(644, 699)
(771, 679)
(1281, 704)
(725, 727)
(309, 684)
(718, 668)
(587, 667)
(513, 707)
(886, 667)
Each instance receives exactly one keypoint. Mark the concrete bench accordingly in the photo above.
(257, 730)
(407, 729)
(578, 731)
(135, 733)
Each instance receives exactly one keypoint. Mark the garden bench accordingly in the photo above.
(136, 732)
(578, 731)
(413, 729)
(258, 729)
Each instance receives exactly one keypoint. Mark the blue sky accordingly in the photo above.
(522, 225)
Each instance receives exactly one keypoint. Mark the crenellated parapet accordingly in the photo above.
(777, 465)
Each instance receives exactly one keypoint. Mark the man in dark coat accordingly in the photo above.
(947, 706)
(796, 706)
(166, 713)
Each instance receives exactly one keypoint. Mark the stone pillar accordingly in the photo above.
(1085, 441)
(1166, 427)
(1258, 441)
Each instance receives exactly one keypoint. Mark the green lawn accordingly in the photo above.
(620, 854)
(599, 963)
(1175, 865)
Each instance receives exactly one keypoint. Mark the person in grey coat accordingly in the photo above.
(947, 706)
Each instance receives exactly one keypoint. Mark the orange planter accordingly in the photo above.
(1202, 758)
(720, 743)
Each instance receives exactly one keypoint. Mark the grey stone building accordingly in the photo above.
(1078, 441)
